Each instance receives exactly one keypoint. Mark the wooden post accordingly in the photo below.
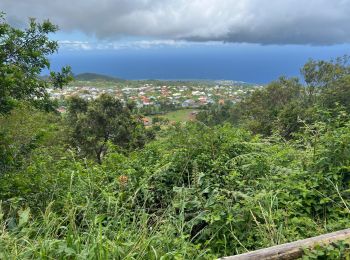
(291, 250)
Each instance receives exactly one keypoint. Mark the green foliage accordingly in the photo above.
(334, 251)
(23, 56)
(219, 113)
(283, 105)
(196, 192)
(94, 124)
(337, 94)
(23, 130)
(323, 73)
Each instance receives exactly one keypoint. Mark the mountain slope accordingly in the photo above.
(96, 77)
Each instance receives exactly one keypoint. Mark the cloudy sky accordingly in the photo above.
(309, 29)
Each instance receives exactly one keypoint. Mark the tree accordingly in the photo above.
(338, 93)
(262, 109)
(105, 120)
(23, 56)
(23, 131)
(320, 75)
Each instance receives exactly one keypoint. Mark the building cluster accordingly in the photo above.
(189, 96)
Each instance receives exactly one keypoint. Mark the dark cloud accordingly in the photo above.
(317, 22)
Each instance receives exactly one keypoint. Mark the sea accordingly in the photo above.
(243, 62)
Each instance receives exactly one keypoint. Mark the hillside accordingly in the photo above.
(96, 77)
(95, 183)
(91, 177)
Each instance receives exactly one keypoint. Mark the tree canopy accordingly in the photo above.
(23, 57)
(285, 104)
(105, 120)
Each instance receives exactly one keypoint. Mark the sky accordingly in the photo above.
(249, 40)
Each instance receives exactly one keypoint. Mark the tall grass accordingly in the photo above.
(199, 193)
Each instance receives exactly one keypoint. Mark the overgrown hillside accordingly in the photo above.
(94, 183)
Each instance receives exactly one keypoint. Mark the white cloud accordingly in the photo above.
(76, 45)
(252, 21)
(118, 45)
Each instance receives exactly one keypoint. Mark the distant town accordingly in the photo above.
(158, 95)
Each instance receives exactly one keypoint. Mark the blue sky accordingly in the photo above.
(250, 40)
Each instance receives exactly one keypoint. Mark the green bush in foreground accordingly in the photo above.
(195, 193)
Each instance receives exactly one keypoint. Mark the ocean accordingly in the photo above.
(242, 62)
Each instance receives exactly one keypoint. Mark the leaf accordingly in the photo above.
(23, 217)
(325, 200)
(64, 249)
(1, 213)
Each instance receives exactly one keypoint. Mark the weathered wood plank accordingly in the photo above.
(291, 250)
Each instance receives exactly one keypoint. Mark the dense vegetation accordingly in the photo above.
(95, 184)
(285, 104)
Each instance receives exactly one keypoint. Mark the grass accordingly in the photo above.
(182, 115)
(200, 193)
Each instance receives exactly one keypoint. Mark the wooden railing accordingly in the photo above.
(292, 250)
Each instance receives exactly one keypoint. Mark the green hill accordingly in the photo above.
(96, 77)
